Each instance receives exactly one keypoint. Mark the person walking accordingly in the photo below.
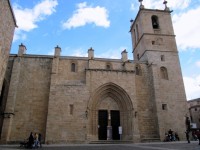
(187, 136)
(198, 135)
(40, 139)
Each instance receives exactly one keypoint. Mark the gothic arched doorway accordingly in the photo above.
(110, 107)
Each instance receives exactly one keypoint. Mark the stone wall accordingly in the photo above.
(71, 94)
(27, 97)
(146, 114)
(7, 27)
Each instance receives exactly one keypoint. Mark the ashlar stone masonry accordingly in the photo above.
(85, 99)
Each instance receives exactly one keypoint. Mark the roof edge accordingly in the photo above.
(13, 15)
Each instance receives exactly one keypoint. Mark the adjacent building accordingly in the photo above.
(194, 111)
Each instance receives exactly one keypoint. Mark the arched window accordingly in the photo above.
(138, 56)
(155, 23)
(162, 57)
(73, 67)
(137, 31)
(134, 38)
(138, 70)
(163, 73)
(108, 66)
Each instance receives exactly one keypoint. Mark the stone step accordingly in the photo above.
(110, 142)
(146, 140)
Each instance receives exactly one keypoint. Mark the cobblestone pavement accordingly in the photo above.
(142, 146)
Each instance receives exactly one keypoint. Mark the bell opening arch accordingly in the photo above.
(111, 98)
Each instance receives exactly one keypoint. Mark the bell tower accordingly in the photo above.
(154, 43)
(152, 30)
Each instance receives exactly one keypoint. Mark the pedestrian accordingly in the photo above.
(40, 139)
(187, 136)
(198, 135)
(36, 140)
(187, 123)
(30, 140)
(170, 134)
(176, 136)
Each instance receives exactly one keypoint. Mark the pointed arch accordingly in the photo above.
(120, 97)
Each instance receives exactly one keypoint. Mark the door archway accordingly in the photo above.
(115, 100)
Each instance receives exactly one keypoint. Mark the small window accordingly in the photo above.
(138, 56)
(138, 70)
(163, 73)
(155, 22)
(162, 57)
(137, 31)
(73, 67)
(108, 67)
(71, 107)
(135, 37)
(164, 106)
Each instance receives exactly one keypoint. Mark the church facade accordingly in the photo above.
(85, 99)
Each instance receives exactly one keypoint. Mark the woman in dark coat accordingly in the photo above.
(30, 140)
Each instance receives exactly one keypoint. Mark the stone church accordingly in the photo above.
(87, 99)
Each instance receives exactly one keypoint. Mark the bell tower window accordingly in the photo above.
(155, 23)
(137, 32)
(163, 72)
(162, 57)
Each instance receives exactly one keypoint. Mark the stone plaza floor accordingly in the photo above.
(183, 145)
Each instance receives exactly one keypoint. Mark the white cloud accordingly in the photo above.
(186, 26)
(176, 4)
(192, 87)
(88, 14)
(132, 6)
(80, 53)
(51, 52)
(19, 35)
(179, 4)
(27, 19)
(112, 53)
(198, 63)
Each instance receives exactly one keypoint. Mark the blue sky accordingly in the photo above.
(77, 25)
